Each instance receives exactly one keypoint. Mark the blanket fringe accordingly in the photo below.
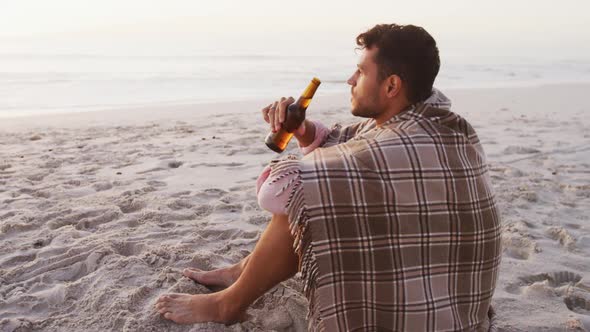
(298, 226)
(303, 247)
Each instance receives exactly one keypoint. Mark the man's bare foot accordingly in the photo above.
(190, 309)
(220, 277)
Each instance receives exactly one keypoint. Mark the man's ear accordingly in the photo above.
(394, 85)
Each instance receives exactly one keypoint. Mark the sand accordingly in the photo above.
(101, 211)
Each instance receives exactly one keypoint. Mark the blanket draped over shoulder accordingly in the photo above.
(396, 226)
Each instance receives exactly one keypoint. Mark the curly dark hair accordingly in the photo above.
(407, 51)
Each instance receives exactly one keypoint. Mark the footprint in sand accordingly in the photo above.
(84, 219)
(518, 246)
(127, 248)
(526, 224)
(91, 170)
(37, 176)
(560, 234)
(73, 183)
(211, 193)
(544, 283)
(225, 207)
(102, 186)
(528, 195)
(98, 220)
(203, 210)
(155, 257)
(130, 205)
(155, 183)
(516, 149)
(578, 301)
(180, 193)
(554, 279)
(54, 163)
(513, 172)
(179, 204)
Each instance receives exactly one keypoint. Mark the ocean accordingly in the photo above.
(35, 84)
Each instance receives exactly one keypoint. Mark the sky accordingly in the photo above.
(551, 29)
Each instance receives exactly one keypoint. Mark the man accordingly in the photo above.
(393, 220)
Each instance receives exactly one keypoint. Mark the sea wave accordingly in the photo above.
(46, 83)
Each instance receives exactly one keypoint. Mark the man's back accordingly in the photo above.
(406, 234)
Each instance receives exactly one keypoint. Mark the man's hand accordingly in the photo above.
(275, 113)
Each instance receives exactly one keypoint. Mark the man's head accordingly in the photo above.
(397, 68)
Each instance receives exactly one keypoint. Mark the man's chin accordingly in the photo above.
(363, 113)
(355, 112)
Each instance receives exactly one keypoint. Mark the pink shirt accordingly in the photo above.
(271, 197)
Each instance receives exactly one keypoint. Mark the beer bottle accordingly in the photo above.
(294, 116)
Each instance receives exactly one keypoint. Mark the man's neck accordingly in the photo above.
(391, 112)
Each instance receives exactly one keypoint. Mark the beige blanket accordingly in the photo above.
(396, 226)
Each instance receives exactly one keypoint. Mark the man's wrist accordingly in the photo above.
(300, 132)
(306, 135)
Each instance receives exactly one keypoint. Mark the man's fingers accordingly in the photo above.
(265, 113)
(271, 119)
(280, 109)
(276, 113)
(283, 110)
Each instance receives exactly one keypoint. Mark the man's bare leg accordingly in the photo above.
(272, 261)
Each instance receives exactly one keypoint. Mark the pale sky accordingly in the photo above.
(504, 27)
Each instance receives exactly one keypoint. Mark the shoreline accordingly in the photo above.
(155, 111)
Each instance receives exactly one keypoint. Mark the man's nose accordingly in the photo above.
(351, 80)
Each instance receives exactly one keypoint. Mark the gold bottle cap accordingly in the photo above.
(316, 80)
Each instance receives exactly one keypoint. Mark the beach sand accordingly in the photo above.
(101, 211)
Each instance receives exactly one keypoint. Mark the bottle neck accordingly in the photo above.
(305, 98)
(303, 103)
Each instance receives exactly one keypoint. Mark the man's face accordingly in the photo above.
(366, 90)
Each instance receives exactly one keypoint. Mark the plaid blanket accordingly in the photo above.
(396, 226)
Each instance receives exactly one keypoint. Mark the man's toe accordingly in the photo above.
(192, 273)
